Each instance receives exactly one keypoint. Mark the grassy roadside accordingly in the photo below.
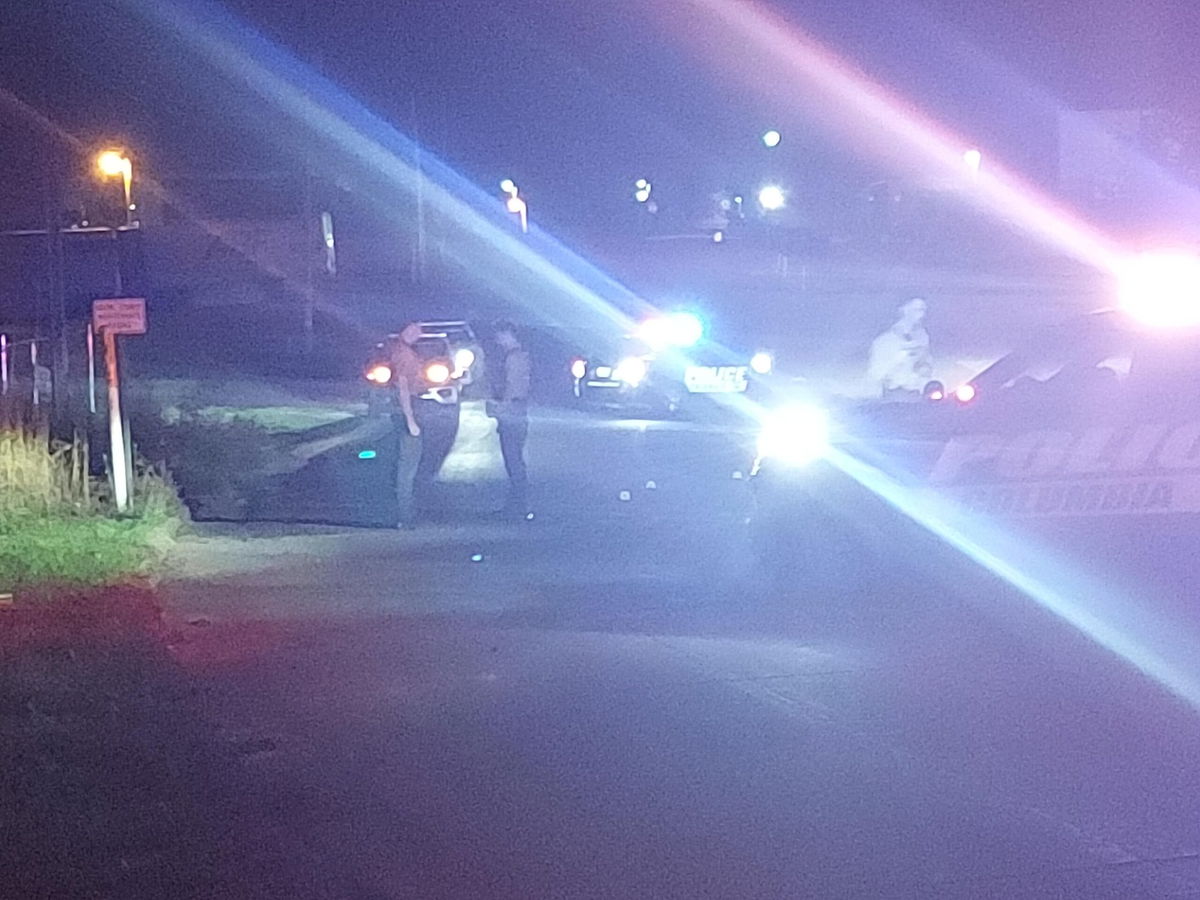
(58, 525)
(110, 783)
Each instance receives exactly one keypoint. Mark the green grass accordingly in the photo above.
(57, 525)
(78, 550)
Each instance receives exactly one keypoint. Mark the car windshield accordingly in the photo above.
(428, 348)
(1094, 351)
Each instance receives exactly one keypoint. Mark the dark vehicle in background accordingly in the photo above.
(666, 366)
(1083, 445)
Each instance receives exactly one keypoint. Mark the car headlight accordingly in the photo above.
(794, 435)
(437, 373)
(464, 358)
(378, 374)
(631, 370)
(761, 363)
(1162, 289)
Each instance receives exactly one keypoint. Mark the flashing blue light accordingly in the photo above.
(686, 329)
(680, 329)
(367, 454)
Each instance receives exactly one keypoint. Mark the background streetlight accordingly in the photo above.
(973, 160)
(771, 198)
(771, 138)
(113, 163)
(514, 204)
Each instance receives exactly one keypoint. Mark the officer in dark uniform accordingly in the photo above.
(510, 409)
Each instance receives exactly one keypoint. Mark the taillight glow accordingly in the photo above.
(380, 374)
(965, 393)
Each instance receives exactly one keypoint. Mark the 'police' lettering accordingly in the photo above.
(1160, 496)
(963, 452)
(1138, 449)
(1093, 453)
(1182, 448)
(1034, 454)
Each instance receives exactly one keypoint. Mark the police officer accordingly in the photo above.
(406, 373)
(510, 409)
(900, 363)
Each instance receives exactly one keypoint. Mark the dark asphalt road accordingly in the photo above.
(614, 703)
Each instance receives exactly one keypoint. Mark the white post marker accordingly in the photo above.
(110, 318)
(91, 355)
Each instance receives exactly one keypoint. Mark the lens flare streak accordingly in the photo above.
(1117, 624)
(875, 119)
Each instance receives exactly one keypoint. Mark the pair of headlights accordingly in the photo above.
(631, 370)
(436, 372)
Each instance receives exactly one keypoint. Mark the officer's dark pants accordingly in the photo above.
(408, 458)
(439, 430)
(514, 430)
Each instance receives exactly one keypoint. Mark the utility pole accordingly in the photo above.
(310, 264)
(417, 270)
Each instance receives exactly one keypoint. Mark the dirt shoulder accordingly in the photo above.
(112, 784)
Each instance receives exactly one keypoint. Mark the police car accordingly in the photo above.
(664, 366)
(1085, 439)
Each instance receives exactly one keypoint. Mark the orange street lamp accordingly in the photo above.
(110, 164)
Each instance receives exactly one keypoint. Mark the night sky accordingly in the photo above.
(575, 100)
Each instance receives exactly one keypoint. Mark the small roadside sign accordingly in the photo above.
(124, 316)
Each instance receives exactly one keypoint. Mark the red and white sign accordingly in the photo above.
(123, 316)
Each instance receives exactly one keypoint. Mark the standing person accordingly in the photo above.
(510, 409)
(901, 365)
(406, 373)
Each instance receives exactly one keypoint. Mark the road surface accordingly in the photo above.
(610, 701)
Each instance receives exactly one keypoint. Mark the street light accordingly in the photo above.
(771, 139)
(642, 189)
(110, 164)
(973, 159)
(772, 198)
(514, 204)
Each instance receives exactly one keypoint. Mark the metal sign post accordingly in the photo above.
(110, 318)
